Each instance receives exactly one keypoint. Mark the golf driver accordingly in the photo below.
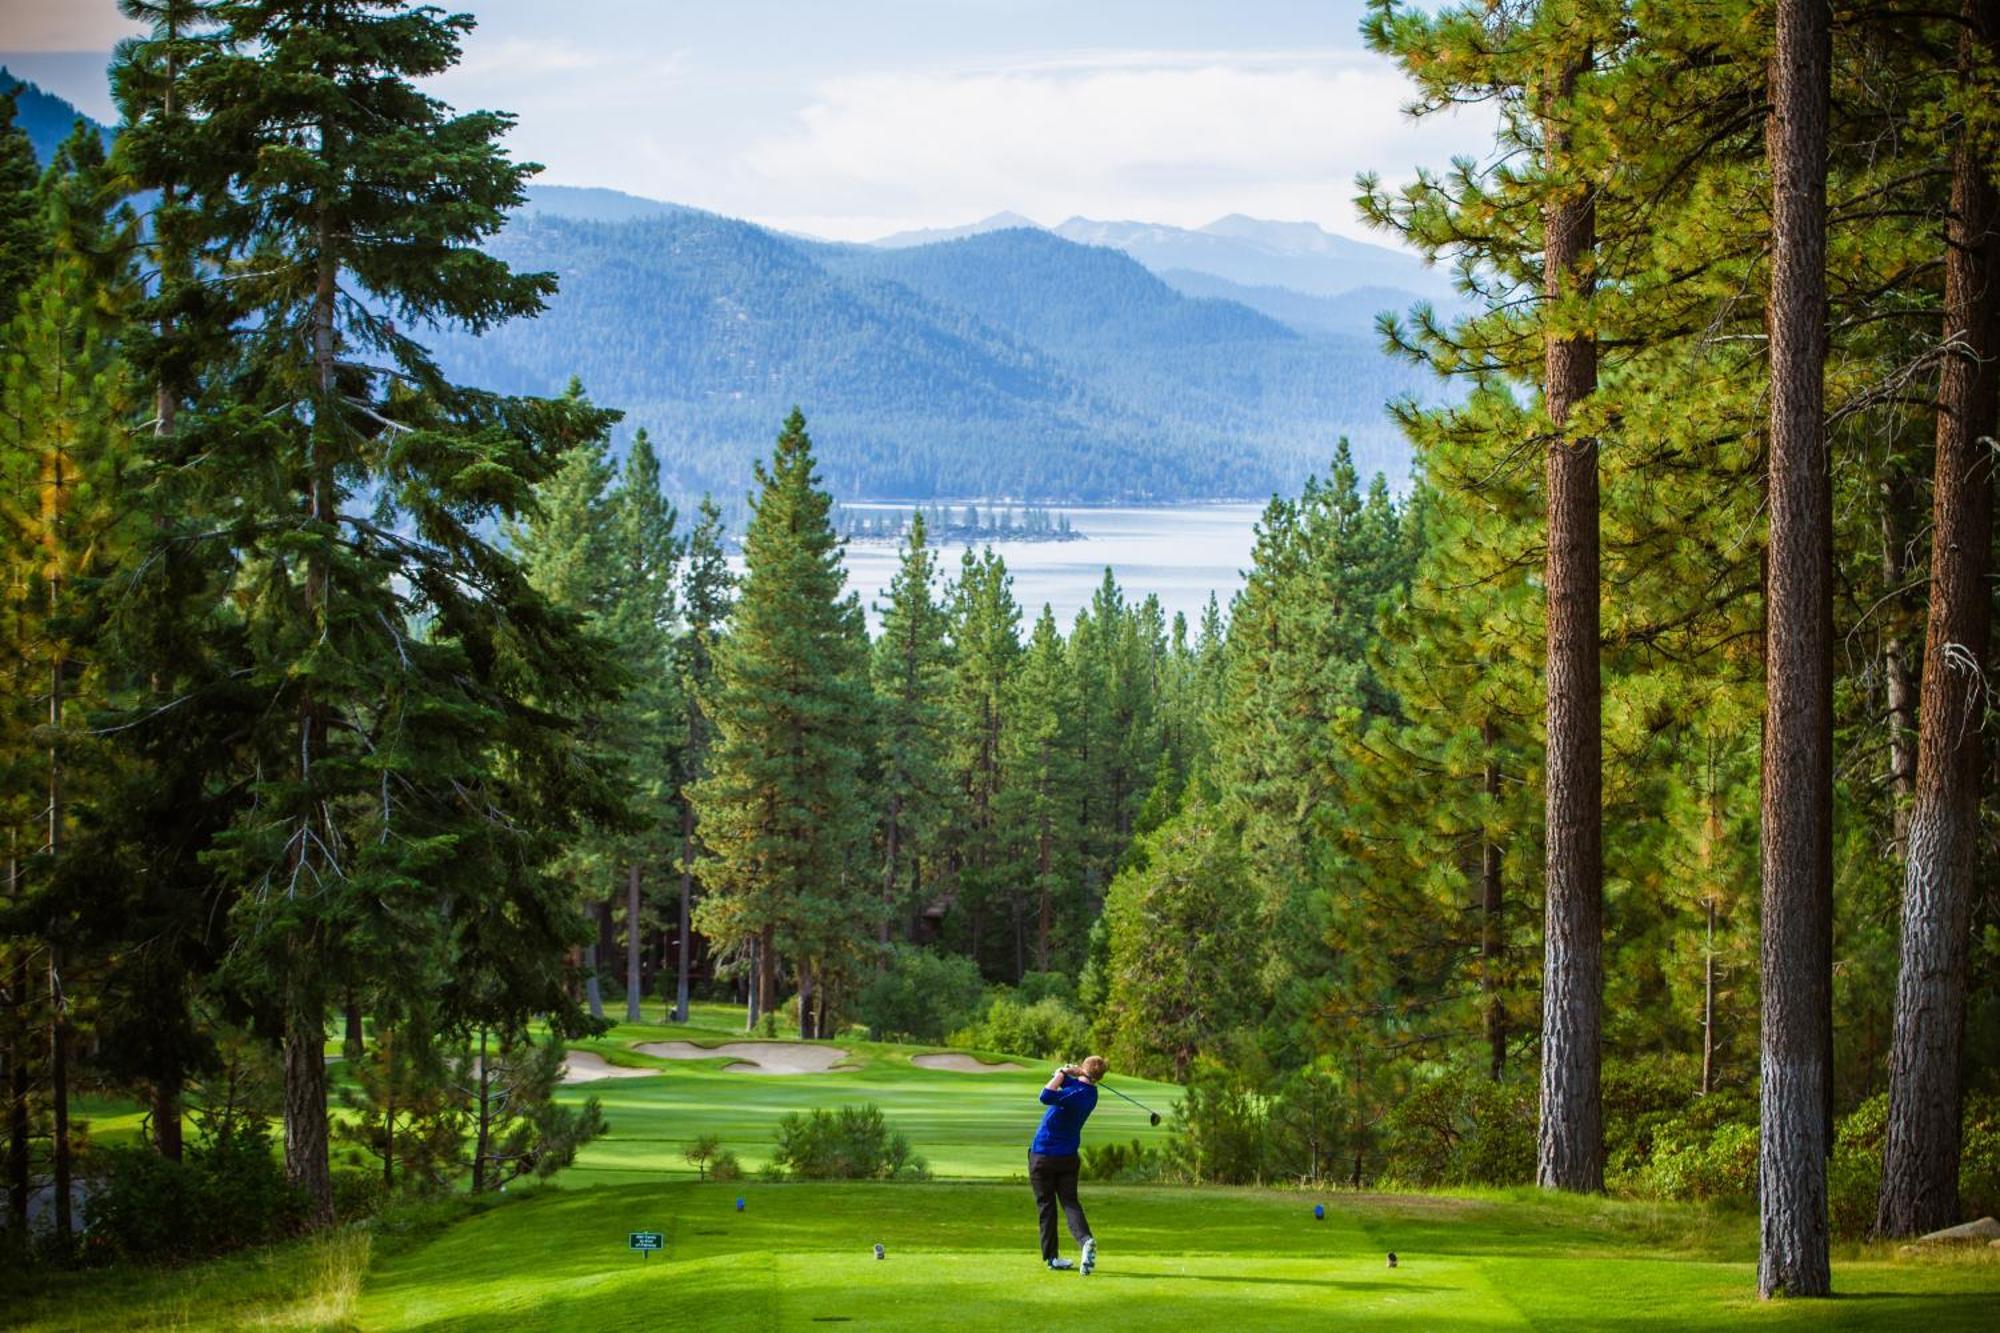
(1151, 1115)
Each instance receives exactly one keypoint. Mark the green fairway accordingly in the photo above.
(968, 1126)
(964, 1255)
(961, 1250)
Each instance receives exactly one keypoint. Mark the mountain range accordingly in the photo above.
(994, 360)
(1093, 361)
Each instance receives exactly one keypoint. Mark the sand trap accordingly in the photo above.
(753, 1057)
(589, 1067)
(960, 1063)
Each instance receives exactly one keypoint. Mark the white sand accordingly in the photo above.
(753, 1057)
(960, 1063)
(589, 1067)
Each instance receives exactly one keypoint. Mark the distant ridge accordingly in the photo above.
(931, 235)
(48, 119)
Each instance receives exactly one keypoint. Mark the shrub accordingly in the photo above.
(1048, 1029)
(851, 1143)
(725, 1166)
(1690, 1163)
(1219, 1130)
(1461, 1128)
(227, 1193)
(701, 1154)
(921, 996)
(1134, 1163)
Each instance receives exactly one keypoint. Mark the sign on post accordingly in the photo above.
(646, 1242)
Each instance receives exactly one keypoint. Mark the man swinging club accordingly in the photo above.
(1071, 1095)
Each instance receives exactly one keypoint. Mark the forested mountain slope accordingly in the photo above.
(1010, 363)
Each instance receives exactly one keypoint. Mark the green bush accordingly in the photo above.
(226, 1193)
(851, 1143)
(1220, 1130)
(1717, 1164)
(1854, 1179)
(724, 1166)
(1133, 1164)
(1048, 1029)
(1461, 1128)
(921, 996)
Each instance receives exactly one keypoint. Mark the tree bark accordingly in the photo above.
(687, 894)
(1797, 804)
(483, 1136)
(167, 1135)
(1899, 684)
(806, 1032)
(634, 987)
(767, 961)
(1492, 940)
(890, 829)
(59, 1094)
(1921, 1154)
(306, 1163)
(593, 990)
(1708, 1005)
(353, 1044)
(1570, 1151)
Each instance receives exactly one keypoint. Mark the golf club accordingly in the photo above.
(1151, 1114)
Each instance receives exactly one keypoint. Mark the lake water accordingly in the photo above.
(1181, 553)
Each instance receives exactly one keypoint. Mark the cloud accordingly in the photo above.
(1179, 138)
(63, 25)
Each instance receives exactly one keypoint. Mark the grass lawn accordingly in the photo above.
(962, 1255)
(961, 1250)
(965, 1125)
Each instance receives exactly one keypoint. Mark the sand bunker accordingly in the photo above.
(589, 1067)
(753, 1057)
(960, 1063)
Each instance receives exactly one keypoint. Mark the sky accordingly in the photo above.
(851, 119)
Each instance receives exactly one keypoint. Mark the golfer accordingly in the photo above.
(1071, 1095)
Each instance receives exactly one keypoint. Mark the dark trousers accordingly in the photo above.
(1054, 1179)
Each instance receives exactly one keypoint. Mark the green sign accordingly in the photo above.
(648, 1240)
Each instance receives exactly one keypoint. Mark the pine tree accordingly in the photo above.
(397, 650)
(64, 399)
(643, 568)
(21, 215)
(705, 600)
(783, 812)
(1038, 805)
(1922, 1151)
(985, 649)
(910, 674)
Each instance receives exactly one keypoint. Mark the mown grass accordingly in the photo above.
(967, 1126)
(963, 1256)
(961, 1252)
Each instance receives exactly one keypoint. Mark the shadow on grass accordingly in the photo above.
(1330, 1284)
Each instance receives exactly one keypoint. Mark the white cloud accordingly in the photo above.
(1180, 139)
(62, 25)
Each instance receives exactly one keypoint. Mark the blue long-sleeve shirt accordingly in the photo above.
(1062, 1124)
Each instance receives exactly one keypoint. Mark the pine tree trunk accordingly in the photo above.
(593, 990)
(889, 831)
(482, 1140)
(167, 1135)
(806, 1032)
(1492, 940)
(18, 1124)
(59, 1094)
(1044, 921)
(1797, 851)
(306, 1163)
(1899, 686)
(1941, 868)
(1708, 1006)
(767, 966)
(1570, 1153)
(353, 1045)
(634, 987)
(687, 893)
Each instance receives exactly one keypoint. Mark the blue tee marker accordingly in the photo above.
(1319, 1212)
(739, 1205)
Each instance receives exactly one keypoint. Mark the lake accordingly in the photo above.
(1180, 553)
